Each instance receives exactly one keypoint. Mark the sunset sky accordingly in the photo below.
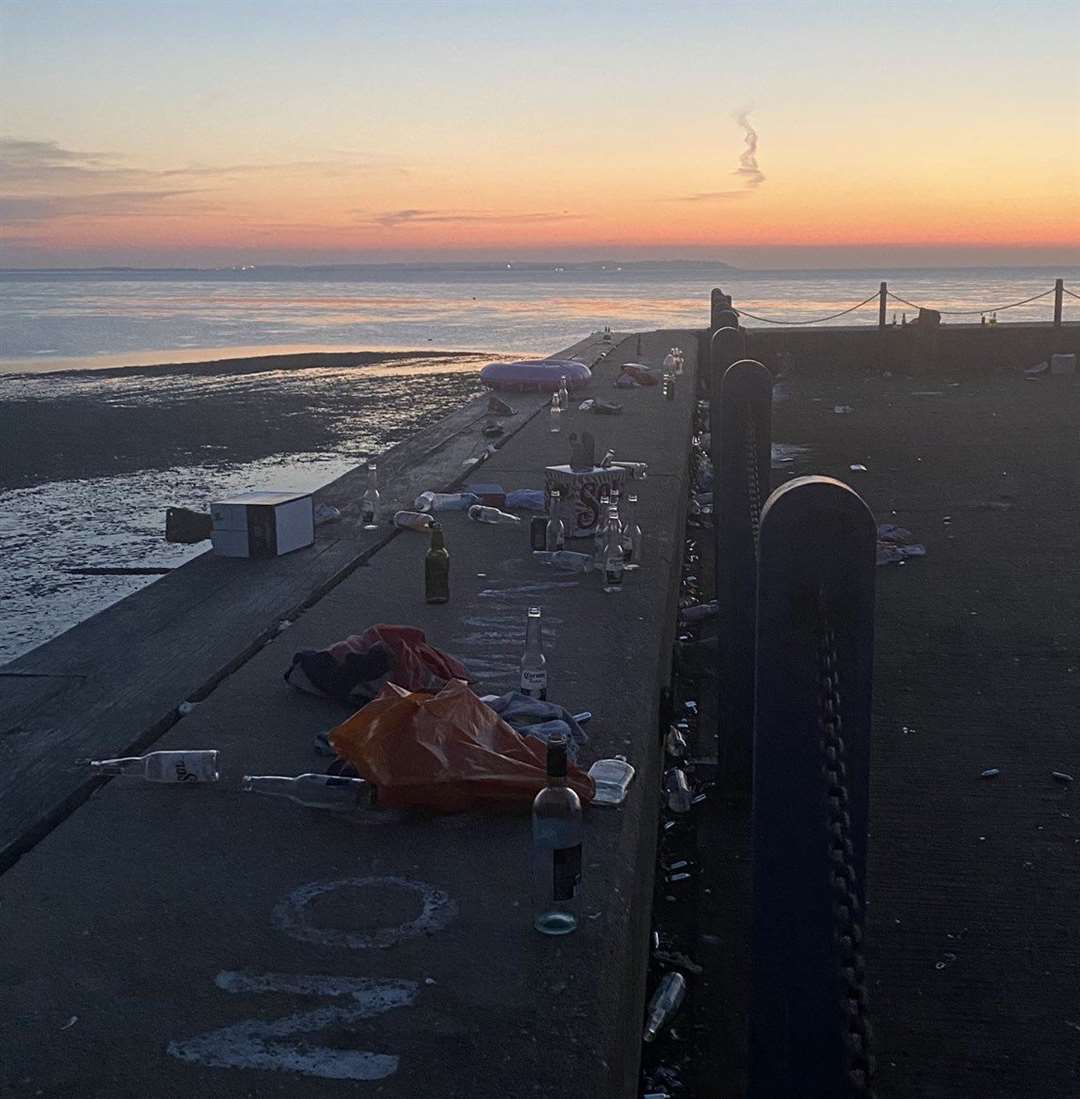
(198, 133)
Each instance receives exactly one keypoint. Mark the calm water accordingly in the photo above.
(52, 321)
(121, 318)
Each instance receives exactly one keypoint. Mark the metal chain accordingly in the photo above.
(753, 474)
(843, 883)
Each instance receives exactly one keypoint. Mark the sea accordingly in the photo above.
(80, 339)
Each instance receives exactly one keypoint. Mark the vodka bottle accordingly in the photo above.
(632, 537)
(555, 413)
(479, 513)
(564, 394)
(437, 569)
(190, 767)
(555, 532)
(613, 554)
(369, 508)
(314, 791)
(556, 855)
(445, 501)
(533, 661)
(413, 520)
(600, 535)
(666, 1001)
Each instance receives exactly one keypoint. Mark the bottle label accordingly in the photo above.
(534, 682)
(183, 774)
(566, 872)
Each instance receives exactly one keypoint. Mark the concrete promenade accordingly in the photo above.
(168, 941)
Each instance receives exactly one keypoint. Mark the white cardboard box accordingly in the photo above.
(262, 524)
(580, 494)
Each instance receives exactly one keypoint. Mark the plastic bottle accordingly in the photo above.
(632, 538)
(413, 520)
(533, 662)
(369, 507)
(613, 554)
(188, 767)
(478, 513)
(565, 560)
(554, 414)
(315, 791)
(445, 501)
(555, 531)
(437, 569)
(666, 1001)
(556, 854)
(677, 789)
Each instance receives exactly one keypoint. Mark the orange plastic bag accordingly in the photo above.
(447, 751)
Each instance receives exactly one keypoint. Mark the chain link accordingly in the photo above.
(753, 474)
(844, 885)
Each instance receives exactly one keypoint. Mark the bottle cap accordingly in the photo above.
(556, 756)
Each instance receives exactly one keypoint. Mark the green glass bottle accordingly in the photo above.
(437, 569)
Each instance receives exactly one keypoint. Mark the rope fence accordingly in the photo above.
(1057, 290)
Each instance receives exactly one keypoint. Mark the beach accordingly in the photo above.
(91, 460)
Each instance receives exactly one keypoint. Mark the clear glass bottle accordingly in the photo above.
(677, 790)
(554, 414)
(480, 513)
(413, 520)
(555, 532)
(632, 538)
(556, 848)
(613, 554)
(533, 662)
(600, 535)
(667, 383)
(369, 508)
(189, 767)
(314, 791)
(564, 394)
(437, 569)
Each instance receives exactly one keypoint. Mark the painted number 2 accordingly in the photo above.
(272, 1044)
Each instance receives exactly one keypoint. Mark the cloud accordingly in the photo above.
(709, 196)
(748, 165)
(394, 218)
(28, 209)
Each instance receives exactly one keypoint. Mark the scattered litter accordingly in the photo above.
(283, 625)
(785, 453)
(1075, 1026)
(445, 501)
(1063, 365)
(699, 612)
(889, 554)
(1003, 504)
(527, 499)
(842, 409)
(676, 957)
(322, 744)
(492, 431)
(1061, 776)
(612, 778)
(665, 1003)
(990, 772)
(858, 468)
(927, 393)
(497, 407)
(890, 532)
(185, 708)
(186, 767)
(429, 980)
(326, 513)
(478, 513)
(70, 1023)
(1037, 369)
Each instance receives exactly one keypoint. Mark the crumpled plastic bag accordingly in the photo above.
(353, 670)
(447, 752)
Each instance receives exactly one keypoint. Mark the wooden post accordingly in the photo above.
(719, 301)
(815, 605)
(1059, 294)
(883, 296)
(743, 461)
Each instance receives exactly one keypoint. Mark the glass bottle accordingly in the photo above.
(437, 569)
(613, 554)
(632, 537)
(413, 520)
(600, 535)
(555, 532)
(667, 383)
(314, 791)
(480, 513)
(556, 854)
(555, 413)
(677, 789)
(533, 662)
(369, 508)
(189, 767)
(564, 394)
